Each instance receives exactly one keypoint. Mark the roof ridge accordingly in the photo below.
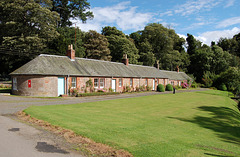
(96, 60)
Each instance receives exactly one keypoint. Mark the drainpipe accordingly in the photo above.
(67, 84)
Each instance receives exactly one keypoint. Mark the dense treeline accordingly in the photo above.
(29, 28)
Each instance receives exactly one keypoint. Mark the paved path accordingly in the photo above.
(21, 140)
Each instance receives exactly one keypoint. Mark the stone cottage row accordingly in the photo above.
(51, 75)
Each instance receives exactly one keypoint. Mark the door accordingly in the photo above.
(114, 85)
(153, 84)
(61, 86)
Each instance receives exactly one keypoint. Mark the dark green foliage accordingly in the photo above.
(26, 27)
(160, 88)
(222, 87)
(72, 9)
(67, 36)
(119, 44)
(169, 87)
(97, 46)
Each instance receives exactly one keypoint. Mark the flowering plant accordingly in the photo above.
(184, 85)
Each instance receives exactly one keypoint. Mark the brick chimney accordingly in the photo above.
(125, 59)
(156, 65)
(71, 52)
(177, 69)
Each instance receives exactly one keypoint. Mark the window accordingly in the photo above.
(172, 83)
(179, 83)
(120, 82)
(146, 82)
(163, 81)
(95, 83)
(101, 83)
(131, 82)
(74, 82)
(14, 83)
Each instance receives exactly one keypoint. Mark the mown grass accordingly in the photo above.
(184, 124)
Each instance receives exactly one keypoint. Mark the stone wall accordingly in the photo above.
(45, 86)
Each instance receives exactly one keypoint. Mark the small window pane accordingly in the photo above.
(131, 82)
(101, 83)
(120, 82)
(74, 82)
(95, 83)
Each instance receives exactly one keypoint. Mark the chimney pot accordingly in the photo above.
(125, 59)
(156, 65)
(177, 69)
(71, 52)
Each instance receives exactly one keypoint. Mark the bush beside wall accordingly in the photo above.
(160, 88)
(169, 87)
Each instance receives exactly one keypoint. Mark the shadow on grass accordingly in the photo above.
(223, 120)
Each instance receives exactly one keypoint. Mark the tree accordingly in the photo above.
(72, 9)
(26, 27)
(165, 44)
(107, 31)
(97, 46)
(67, 36)
(119, 44)
(147, 56)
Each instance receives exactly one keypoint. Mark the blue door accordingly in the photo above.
(61, 86)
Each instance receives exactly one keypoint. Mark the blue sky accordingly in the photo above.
(207, 20)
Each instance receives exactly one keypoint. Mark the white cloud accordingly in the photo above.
(229, 22)
(122, 15)
(208, 37)
(167, 13)
(230, 3)
(191, 7)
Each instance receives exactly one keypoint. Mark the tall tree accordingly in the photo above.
(68, 35)
(119, 44)
(27, 25)
(97, 46)
(72, 9)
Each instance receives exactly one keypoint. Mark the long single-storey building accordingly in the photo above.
(52, 75)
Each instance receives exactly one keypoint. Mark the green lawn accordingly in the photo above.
(184, 124)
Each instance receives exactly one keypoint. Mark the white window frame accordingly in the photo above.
(96, 83)
(101, 81)
(120, 82)
(14, 83)
(74, 82)
(146, 82)
(179, 83)
(172, 83)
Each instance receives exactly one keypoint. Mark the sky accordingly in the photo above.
(207, 20)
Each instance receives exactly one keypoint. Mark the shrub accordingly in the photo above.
(160, 88)
(137, 89)
(194, 85)
(222, 87)
(128, 89)
(178, 87)
(96, 94)
(142, 88)
(169, 87)
(110, 89)
(149, 88)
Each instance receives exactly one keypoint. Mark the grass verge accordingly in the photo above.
(184, 124)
